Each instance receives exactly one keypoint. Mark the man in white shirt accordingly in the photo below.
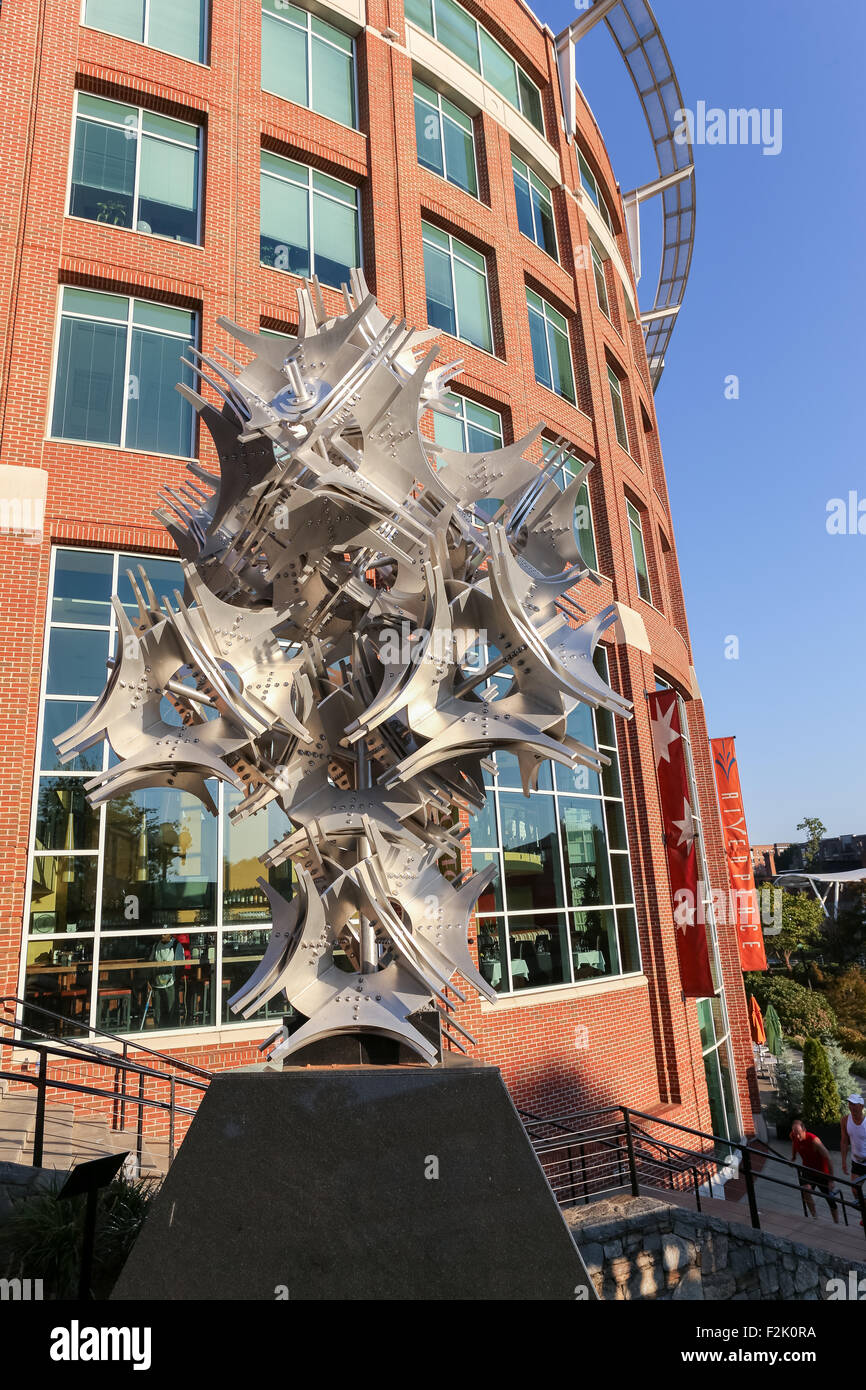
(854, 1137)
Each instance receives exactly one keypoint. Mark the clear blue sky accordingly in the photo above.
(775, 296)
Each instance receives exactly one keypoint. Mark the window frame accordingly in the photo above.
(598, 266)
(220, 928)
(131, 300)
(451, 240)
(139, 134)
(285, 19)
(465, 422)
(443, 116)
(505, 916)
(616, 395)
(635, 521)
(534, 182)
(519, 70)
(550, 327)
(143, 43)
(311, 193)
(548, 448)
(590, 184)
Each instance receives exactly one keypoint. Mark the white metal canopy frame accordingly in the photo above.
(797, 878)
(351, 590)
(636, 34)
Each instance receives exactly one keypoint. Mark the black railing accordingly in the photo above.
(614, 1152)
(172, 1071)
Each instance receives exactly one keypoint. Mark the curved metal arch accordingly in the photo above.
(637, 35)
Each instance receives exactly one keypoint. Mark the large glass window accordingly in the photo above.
(564, 475)
(638, 550)
(457, 295)
(551, 350)
(133, 168)
(308, 61)
(464, 36)
(534, 207)
(445, 139)
(618, 407)
(561, 907)
(473, 429)
(310, 223)
(118, 361)
(131, 903)
(175, 26)
(590, 184)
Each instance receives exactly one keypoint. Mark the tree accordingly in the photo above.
(802, 920)
(821, 1102)
(802, 1012)
(847, 994)
(815, 830)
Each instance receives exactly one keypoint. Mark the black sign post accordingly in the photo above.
(87, 1179)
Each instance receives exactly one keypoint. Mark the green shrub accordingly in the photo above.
(802, 1012)
(821, 1102)
(840, 1068)
(847, 997)
(852, 1041)
(42, 1236)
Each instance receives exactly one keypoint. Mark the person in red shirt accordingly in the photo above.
(817, 1173)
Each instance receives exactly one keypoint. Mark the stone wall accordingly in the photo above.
(642, 1248)
(18, 1180)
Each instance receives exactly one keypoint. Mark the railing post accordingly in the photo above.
(629, 1143)
(125, 1055)
(139, 1141)
(750, 1186)
(39, 1135)
(697, 1188)
(583, 1171)
(171, 1124)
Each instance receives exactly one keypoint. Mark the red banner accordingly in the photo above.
(741, 878)
(679, 827)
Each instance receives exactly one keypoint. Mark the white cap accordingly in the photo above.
(856, 1099)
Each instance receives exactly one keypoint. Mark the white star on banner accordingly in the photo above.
(663, 736)
(686, 826)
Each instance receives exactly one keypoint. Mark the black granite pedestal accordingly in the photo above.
(380, 1183)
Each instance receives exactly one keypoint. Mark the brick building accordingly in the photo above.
(167, 163)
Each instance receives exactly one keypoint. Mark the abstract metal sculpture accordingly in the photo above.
(351, 590)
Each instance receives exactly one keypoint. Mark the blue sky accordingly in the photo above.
(775, 297)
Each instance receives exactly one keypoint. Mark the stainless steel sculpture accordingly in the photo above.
(345, 609)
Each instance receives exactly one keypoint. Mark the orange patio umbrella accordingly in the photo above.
(756, 1023)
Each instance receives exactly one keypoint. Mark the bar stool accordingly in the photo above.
(116, 1002)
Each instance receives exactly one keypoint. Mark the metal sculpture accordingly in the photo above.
(351, 590)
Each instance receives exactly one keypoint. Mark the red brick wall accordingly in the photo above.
(644, 1046)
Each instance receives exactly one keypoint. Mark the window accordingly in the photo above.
(618, 407)
(118, 361)
(561, 907)
(308, 61)
(445, 140)
(590, 183)
(310, 223)
(133, 168)
(127, 928)
(456, 280)
(600, 281)
(564, 475)
(534, 207)
(551, 351)
(475, 429)
(175, 26)
(638, 551)
(459, 32)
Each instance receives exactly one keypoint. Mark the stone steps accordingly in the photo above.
(68, 1140)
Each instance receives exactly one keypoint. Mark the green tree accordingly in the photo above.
(802, 920)
(847, 995)
(821, 1102)
(802, 1012)
(815, 831)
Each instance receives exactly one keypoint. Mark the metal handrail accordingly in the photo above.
(122, 1066)
(624, 1131)
(115, 1037)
